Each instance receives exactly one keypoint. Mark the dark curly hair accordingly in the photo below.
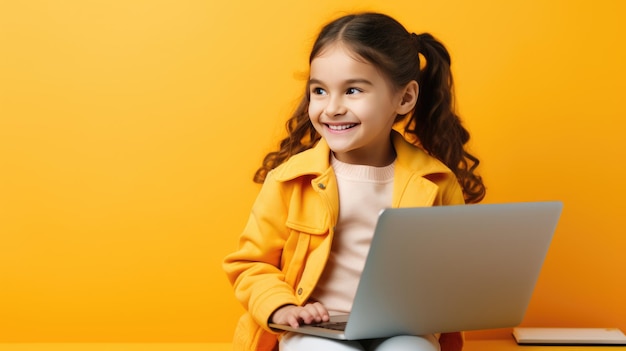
(402, 57)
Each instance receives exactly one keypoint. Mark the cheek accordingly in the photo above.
(315, 110)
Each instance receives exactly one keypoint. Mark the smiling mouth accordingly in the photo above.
(341, 127)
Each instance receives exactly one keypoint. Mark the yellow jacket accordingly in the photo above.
(286, 242)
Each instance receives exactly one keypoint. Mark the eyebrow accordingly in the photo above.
(347, 82)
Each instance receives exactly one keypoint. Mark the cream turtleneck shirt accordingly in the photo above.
(363, 192)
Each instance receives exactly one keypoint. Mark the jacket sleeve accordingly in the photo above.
(254, 268)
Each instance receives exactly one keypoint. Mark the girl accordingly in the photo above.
(302, 251)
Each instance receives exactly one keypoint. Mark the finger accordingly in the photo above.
(292, 320)
(321, 311)
(307, 315)
(317, 313)
(312, 314)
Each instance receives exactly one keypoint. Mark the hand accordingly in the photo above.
(294, 315)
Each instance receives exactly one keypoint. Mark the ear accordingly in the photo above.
(409, 98)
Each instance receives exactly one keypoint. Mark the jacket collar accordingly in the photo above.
(316, 161)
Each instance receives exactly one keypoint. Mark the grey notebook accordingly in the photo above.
(445, 269)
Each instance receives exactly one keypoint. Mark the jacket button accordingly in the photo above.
(321, 186)
(300, 291)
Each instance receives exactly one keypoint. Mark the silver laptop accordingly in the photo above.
(445, 269)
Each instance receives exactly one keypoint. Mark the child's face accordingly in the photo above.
(353, 107)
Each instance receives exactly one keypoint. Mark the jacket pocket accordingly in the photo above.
(294, 256)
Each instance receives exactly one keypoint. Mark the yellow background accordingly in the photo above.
(130, 130)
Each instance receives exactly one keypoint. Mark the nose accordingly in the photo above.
(335, 107)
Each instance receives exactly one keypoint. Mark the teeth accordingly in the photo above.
(341, 127)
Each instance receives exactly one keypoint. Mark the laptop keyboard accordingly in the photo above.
(332, 325)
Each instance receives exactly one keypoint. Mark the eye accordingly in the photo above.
(318, 91)
(351, 91)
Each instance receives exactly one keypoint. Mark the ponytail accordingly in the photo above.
(434, 122)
